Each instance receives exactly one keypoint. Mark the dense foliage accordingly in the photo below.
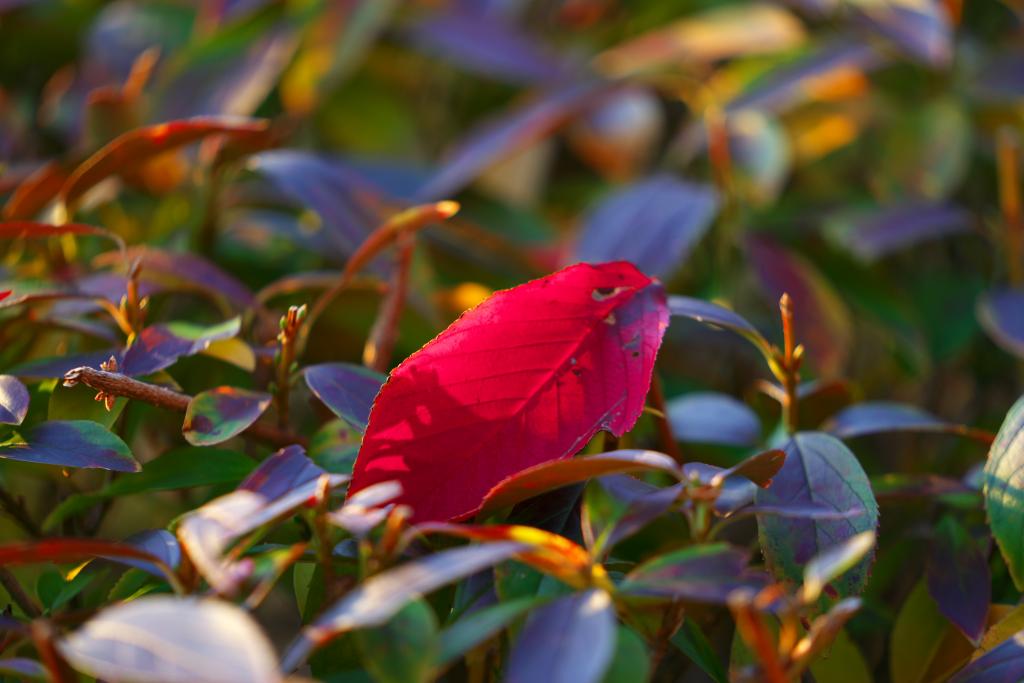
(571, 341)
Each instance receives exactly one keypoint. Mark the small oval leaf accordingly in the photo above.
(73, 443)
(218, 414)
(346, 388)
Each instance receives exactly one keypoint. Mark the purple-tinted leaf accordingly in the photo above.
(282, 483)
(958, 578)
(159, 346)
(46, 368)
(73, 443)
(1002, 77)
(159, 543)
(234, 82)
(13, 400)
(654, 223)
(877, 417)
(508, 133)
(706, 573)
(833, 562)
(347, 389)
(1002, 664)
(804, 511)
(23, 669)
(184, 267)
(875, 233)
(789, 85)
(819, 471)
(716, 316)
(822, 320)
(218, 414)
(709, 417)
(640, 512)
(380, 597)
(487, 43)
(1001, 313)
(366, 508)
(338, 196)
(920, 28)
(172, 640)
(570, 640)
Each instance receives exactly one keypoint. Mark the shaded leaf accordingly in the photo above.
(546, 365)
(716, 316)
(218, 414)
(706, 573)
(878, 417)
(958, 578)
(819, 471)
(159, 543)
(833, 562)
(875, 233)
(653, 224)
(479, 626)
(1001, 313)
(486, 43)
(694, 644)
(403, 649)
(570, 640)
(1004, 490)
(821, 319)
(552, 475)
(73, 443)
(176, 469)
(346, 388)
(172, 640)
(63, 550)
(710, 417)
(13, 400)
(380, 597)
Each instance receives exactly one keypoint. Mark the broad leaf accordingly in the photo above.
(172, 640)
(833, 562)
(653, 224)
(1002, 664)
(73, 443)
(819, 471)
(528, 376)
(283, 482)
(13, 400)
(878, 232)
(347, 389)
(878, 417)
(1004, 490)
(571, 640)
(218, 414)
(159, 346)
(380, 597)
(707, 573)
(552, 475)
(959, 579)
(1001, 313)
(710, 417)
(479, 626)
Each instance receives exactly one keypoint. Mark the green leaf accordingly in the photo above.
(177, 469)
(473, 629)
(631, 662)
(1003, 489)
(79, 403)
(924, 644)
(402, 650)
(73, 443)
(694, 644)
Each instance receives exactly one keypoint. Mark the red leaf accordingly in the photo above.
(527, 377)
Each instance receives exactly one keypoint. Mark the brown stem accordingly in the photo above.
(790, 365)
(1008, 161)
(15, 508)
(44, 636)
(121, 385)
(668, 439)
(13, 587)
(381, 344)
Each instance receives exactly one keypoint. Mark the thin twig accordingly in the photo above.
(121, 385)
(15, 508)
(668, 438)
(13, 587)
(381, 343)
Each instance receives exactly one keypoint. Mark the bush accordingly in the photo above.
(572, 341)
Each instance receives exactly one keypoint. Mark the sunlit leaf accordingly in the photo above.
(13, 400)
(1004, 490)
(172, 640)
(347, 389)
